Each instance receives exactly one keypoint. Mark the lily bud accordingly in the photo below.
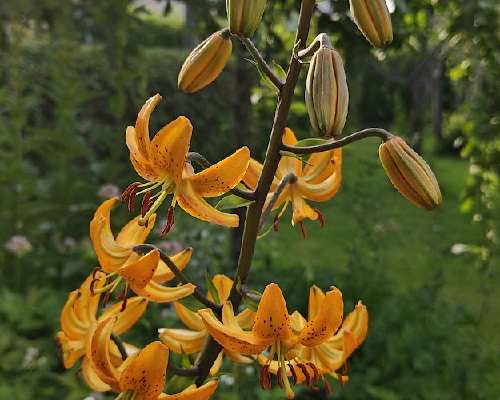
(327, 95)
(410, 174)
(373, 20)
(244, 16)
(205, 62)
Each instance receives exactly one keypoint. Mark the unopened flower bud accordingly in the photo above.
(327, 95)
(244, 16)
(205, 62)
(373, 20)
(410, 174)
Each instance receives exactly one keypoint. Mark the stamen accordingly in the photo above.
(170, 221)
(146, 203)
(321, 219)
(123, 297)
(144, 219)
(328, 386)
(303, 230)
(294, 374)
(265, 378)
(315, 371)
(276, 224)
(304, 370)
(129, 195)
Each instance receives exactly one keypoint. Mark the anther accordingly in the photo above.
(146, 203)
(315, 371)
(129, 194)
(304, 370)
(276, 223)
(321, 219)
(264, 378)
(303, 230)
(170, 222)
(294, 374)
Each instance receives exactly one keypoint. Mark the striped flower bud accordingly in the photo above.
(410, 174)
(244, 16)
(205, 62)
(373, 20)
(327, 95)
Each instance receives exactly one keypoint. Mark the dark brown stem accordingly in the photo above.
(183, 371)
(263, 65)
(336, 143)
(204, 163)
(287, 179)
(119, 344)
(146, 248)
(272, 159)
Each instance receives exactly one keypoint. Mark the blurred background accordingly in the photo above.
(73, 75)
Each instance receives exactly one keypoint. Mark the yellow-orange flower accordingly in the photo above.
(330, 355)
(192, 340)
(162, 162)
(142, 375)
(273, 329)
(143, 274)
(78, 321)
(318, 180)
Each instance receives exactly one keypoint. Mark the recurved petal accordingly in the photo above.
(72, 350)
(271, 319)
(297, 321)
(183, 341)
(203, 392)
(323, 190)
(127, 318)
(232, 338)
(72, 326)
(316, 298)
(100, 353)
(181, 260)
(223, 285)
(170, 147)
(326, 322)
(301, 210)
(357, 323)
(164, 294)
(223, 176)
(140, 272)
(146, 373)
(289, 164)
(141, 164)
(321, 165)
(191, 202)
(246, 318)
(214, 370)
(142, 125)
(88, 303)
(90, 377)
(189, 318)
(133, 234)
(252, 174)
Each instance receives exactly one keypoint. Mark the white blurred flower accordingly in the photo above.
(459, 248)
(30, 356)
(69, 242)
(108, 190)
(19, 245)
(227, 380)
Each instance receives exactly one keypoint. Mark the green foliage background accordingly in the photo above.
(72, 76)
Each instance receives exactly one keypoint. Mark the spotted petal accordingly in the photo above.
(136, 306)
(223, 176)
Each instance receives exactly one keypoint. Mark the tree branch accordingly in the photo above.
(182, 371)
(264, 66)
(146, 248)
(336, 143)
(254, 213)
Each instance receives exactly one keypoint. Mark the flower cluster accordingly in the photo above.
(289, 349)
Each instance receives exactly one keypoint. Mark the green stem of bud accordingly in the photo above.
(337, 143)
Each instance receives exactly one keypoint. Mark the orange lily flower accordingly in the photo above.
(142, 375)
(273, 329)
(78, 320)
(330, 355)
(192, 340)
(143, 274)
(162, 162)
(319, 180)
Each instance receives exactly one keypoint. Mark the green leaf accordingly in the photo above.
(185, 361)
(211, 288)
(250, 303)
(191, 303)
(232, 201)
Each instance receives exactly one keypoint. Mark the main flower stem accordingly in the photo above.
(254, 213)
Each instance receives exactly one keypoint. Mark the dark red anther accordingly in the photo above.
(294, 374)
(321, 219)
(92, 284)
(264, 378)
(129, 194)
(315, 371)
(303, 230)
(328, 386)
(276, 224)
(146, 203)
(106, 298)
(345, 370)
(123, 297)
(304, 370)
(95, 272)
(170, 221)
